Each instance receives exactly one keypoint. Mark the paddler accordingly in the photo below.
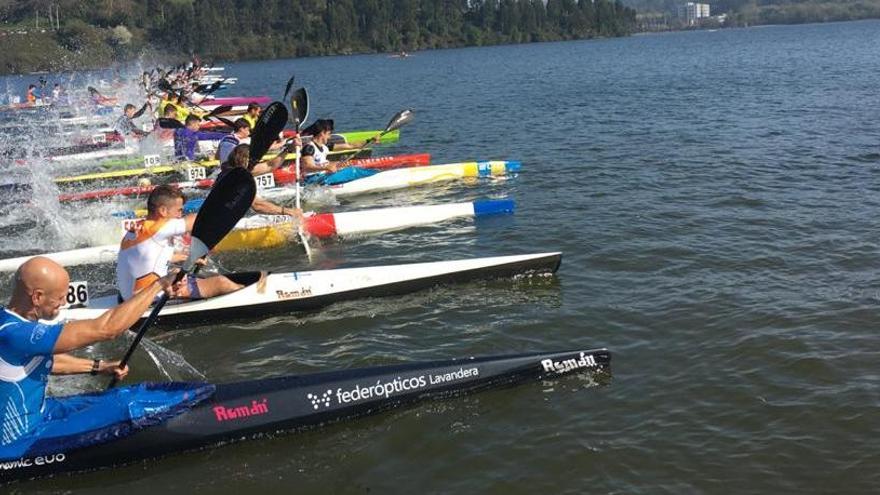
(314, 157)
(146, 252)
(241, 130)
(30, 97)
(187, 137)
(31, 349)
(240, 157)
(124, 125)
(252, 114)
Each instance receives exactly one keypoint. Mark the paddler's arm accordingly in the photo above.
(115, 321)
(307, 163)
(65, 364)
(266, 207)
(276, 162)
(354, 146)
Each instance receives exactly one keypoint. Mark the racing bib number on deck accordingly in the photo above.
(195, 172)
(77, 294)
(132, 224)
(151, 161)
(99, 138)
(265, 181)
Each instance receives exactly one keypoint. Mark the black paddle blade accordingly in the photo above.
(269, 125)
(299, 107)
(287, 88)
(219, 110)
(228, 201)
(166, 123)
(400, 118)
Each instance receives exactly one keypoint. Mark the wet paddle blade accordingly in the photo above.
(299, 107)
(269, 125)
(219, 110)
(287, 88)
(228, 201)
(166, 123)
(399, 120)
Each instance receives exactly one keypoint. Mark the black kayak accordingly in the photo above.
(246, 409)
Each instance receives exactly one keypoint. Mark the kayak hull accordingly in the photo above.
(247, 409)
(309, 291)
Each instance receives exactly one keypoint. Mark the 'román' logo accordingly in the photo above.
(585, 361)
(255, 408)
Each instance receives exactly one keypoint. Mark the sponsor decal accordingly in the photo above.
(294, 294)
(560, 367)
(41, 460)
(387, 388)
(255, 408)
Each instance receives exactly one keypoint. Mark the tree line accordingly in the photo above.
(240, 29)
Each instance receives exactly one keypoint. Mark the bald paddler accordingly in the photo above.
(31, 348)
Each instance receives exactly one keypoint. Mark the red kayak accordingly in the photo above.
(283, 175)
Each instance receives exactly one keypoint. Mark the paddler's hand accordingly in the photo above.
(112, 368)
(168, 282)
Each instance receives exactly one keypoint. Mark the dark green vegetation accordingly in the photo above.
(752, 12)
(96, 32)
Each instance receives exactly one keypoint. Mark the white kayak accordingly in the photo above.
(390, 180)
(265, 294)
(267, 231)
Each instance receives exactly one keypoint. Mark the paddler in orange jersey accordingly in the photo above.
(240, 158)
(30, 97)
(146, 252)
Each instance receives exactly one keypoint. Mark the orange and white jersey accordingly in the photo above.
(144, 254)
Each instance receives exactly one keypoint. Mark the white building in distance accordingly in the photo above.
(692, 12)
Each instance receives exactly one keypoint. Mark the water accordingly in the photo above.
(715, 195)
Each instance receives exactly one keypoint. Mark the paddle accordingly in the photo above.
(168, 123)
(166, 86)
(299, 112)
(269, 125)
(228, 201)
(400, 119)
(287, 88)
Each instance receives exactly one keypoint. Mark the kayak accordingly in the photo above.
(417, 176)
(268, 231)
(281, 175)
(352, 136)
(180, 167)
(273, 293)
(248, 409)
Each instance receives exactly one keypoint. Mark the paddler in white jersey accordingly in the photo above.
(315, 154)
(146, 252)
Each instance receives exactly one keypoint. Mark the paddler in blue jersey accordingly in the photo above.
(186, 138)
(31, 348)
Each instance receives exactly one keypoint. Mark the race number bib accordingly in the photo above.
(195, 172)
(265, 181)
(151, 161)
(77, 294)
(99, 138)
(132, 224)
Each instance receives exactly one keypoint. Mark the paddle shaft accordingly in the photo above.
(146, 325)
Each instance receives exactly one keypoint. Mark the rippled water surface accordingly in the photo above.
(715, 195)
